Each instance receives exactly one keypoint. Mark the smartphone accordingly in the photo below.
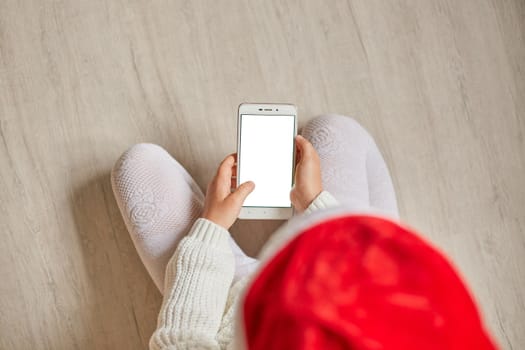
(266, 155)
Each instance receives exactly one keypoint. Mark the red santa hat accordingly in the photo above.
(360, 282)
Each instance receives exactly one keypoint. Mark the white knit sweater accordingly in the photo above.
(199, 299)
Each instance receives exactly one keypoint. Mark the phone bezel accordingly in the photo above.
(270, 213)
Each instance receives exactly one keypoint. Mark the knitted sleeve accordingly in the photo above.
(197, 281)
(323, 200)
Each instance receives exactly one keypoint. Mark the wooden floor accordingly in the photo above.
(440, 84)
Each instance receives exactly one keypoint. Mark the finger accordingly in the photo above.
(240, 194)
(234, 167)
(227, 162)
(234, 171)
(225, 169)
(298, 155)
(233, 185)
(220, 185)
(305, 148)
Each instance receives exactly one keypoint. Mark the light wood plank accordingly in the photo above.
(440, 84)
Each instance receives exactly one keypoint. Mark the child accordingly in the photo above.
(343, 274)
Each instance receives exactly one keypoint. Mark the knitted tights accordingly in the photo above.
(352, 168)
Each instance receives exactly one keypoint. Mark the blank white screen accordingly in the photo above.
(266, 158)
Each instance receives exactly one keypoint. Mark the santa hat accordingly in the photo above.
(360, 282)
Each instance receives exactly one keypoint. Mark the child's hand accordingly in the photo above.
(307, 175)
(222, 206)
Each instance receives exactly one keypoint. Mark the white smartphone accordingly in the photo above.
(266, 155)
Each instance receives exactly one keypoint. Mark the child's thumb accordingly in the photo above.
(240, 194)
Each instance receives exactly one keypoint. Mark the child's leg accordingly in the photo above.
(380, 187)
(352, 167)
(159, 202)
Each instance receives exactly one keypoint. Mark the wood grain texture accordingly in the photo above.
(440, 84)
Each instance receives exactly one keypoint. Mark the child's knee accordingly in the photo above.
(331, 125)
(138, 154)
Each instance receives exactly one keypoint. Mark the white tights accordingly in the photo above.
(352, 168)
(159, 200)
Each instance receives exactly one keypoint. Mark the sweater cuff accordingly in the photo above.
(323, 200)
(208, 232)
